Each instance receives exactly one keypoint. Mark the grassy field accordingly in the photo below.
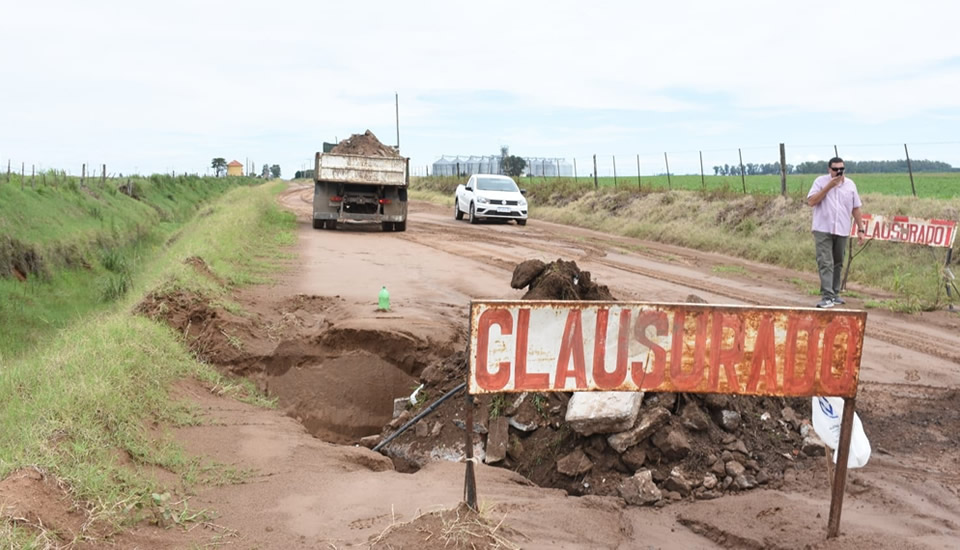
(67, 250)
(760, 226)
(928, 185)
(88, 395)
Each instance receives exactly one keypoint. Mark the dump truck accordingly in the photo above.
(360, 188)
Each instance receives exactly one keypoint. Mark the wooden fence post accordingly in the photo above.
(910, 169)
(743, 179)
(22, 174)
(667, 162)
(639, 187)
(703, 182)
(783, 170)
(575, 178)
(83, 174)
(596, 185)
(614, 171)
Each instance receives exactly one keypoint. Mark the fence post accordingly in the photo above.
(8, 170)
(33, 176)
(667, 162)
(783, 170)
(22, 174)
(575, 178)
(596, 185)
(103, 175)
(543, 168)
(83, 174)
(558, 169)
(639, 188)
(910, 169)
(743, 179)
(703, 182)
(614, 171)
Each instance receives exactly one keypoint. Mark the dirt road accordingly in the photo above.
(315, 493)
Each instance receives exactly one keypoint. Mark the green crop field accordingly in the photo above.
(928, 185)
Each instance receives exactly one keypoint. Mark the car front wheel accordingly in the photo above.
(521, 222)
(473, 214)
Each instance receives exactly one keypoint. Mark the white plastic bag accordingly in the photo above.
(827, 414)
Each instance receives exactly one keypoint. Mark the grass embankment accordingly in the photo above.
(80, 406)
(68, 249)
(764, 227)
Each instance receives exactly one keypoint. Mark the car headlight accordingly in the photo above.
(483, 200)
(523, 203)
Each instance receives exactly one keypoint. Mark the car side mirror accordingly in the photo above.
(523, 191)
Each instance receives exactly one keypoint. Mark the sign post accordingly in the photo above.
(566, 346)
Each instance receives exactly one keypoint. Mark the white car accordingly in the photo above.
(489, 196)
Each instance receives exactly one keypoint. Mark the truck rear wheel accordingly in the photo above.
(330, 224)
(317, 224)
(387, 226)
(400, 226)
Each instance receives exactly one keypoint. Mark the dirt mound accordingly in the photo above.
(680, 446)
(558, 280)
(35, 500)
(365, 144)
(460, 528)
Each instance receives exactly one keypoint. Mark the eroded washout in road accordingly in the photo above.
(340, 375)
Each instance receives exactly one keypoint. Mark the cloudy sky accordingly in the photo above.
(162, 86)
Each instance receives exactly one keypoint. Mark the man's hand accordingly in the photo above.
(835, 182)
(860, 236)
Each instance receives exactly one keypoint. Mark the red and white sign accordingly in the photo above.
(909, 230)
(636, 346)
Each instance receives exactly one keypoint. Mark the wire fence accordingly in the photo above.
(921, 169)
(30, 175)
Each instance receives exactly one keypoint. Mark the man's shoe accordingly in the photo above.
(825, 303)
(839, 301)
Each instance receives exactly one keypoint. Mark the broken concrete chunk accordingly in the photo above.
(650, 421)
(673, 442)
(574, 464)
(589, 413)
(640, 489)
(497, 440)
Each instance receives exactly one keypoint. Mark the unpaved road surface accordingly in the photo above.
(317, 492)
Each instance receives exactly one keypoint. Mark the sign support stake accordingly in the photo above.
(470, 481)
(840, 477)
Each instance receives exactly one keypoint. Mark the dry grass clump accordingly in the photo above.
(457, 529)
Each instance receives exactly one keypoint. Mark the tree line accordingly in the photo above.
(820, 167)
(219, 165)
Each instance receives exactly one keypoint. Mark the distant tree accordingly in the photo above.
(514, 165)
(275, 170)
(219, 164)
(265, 173)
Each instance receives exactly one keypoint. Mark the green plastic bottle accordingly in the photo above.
(384, 299)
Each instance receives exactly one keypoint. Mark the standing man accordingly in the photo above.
(834, 199)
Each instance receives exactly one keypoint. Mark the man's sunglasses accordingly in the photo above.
(837, 169)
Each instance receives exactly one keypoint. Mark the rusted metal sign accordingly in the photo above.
(635, 346)
(939, 233)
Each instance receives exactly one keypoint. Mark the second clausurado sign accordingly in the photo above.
(518, 346)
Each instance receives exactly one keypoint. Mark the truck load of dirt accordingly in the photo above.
(680, 445)
(365, 144)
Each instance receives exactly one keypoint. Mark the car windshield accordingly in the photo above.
(496, 184)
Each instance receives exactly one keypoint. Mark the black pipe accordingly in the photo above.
(422, 414)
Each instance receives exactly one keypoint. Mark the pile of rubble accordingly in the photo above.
(365, 144)
(645, 448)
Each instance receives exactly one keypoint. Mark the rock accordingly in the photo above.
(737, 447)
(639, 489)
(436, 429)
(399, 406)
(672, 495)
(719, 467)
(726, 456)
(678, 484)
(729, 420)
(734, 469)
(497, 439)
(727, 482)
(805, 427)
(421, 429)
(752, 465)
(673, 442)
(708, 495)
(812, 446)
(589, 413)
(650, 421)
(667, 400)
(709, 481)
(765, 417)
(744, 482)
(432, 375)
(634, 457)
(522, 427)
(763, 477)
(694, 418)
(574, 464)
(401, 420)
(478, 428)
(715, 401)
(370, 441)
